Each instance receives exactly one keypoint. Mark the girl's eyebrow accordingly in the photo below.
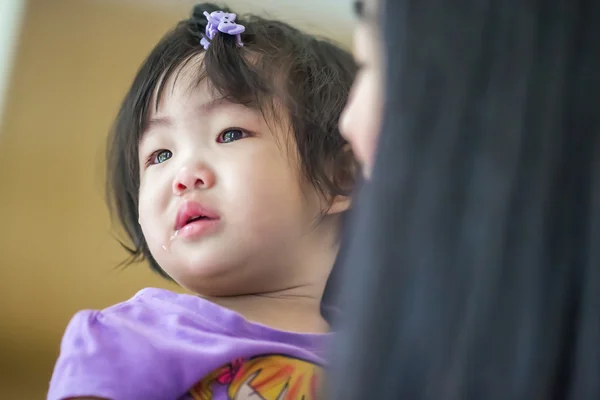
(204, 108)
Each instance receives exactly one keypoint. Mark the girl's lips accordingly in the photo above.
(192, 212)
(198, 228)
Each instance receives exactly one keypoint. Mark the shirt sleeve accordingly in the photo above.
(102, 356)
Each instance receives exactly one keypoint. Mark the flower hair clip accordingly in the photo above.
(220, 21)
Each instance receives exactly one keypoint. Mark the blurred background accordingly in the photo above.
(65, 65)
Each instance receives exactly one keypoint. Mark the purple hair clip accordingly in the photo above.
(219, 21)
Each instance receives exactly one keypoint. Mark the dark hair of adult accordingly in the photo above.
(473, 268)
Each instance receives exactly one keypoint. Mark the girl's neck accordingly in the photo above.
(292, 310)
(296, 307)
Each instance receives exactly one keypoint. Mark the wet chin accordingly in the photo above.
(204, 272)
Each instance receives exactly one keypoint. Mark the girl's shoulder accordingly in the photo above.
(161, 343)
(157, 309)
(152, 341)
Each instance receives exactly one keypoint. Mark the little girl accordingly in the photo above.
(228, 173)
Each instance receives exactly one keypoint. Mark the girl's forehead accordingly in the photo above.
(182, 94)
(188, 90)
(186, 102)
(181, 83)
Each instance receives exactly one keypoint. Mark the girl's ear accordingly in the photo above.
(344, 177)
(340, 204)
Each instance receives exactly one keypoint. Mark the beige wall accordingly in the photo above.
(75, 60)
(11, 15)
(74, 63)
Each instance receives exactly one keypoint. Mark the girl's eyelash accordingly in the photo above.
(245, 133)
(151, 157)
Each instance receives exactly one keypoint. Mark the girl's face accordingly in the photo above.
(221, 203)
(361, 120)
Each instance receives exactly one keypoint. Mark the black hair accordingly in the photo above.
(473, 269)
(309, 77)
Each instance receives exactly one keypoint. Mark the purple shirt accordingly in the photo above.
(163, 345)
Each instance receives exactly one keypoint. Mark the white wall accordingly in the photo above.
(11, 15)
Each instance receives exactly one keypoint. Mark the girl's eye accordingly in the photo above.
(231, 135)
(160, 156)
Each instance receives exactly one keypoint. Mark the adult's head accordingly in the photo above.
(473, 269)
